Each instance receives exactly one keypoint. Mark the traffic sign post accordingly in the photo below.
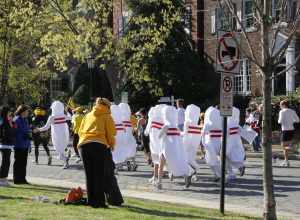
(227, 65)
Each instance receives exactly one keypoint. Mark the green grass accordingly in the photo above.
(16, 203)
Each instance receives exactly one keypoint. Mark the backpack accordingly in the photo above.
(74, 195)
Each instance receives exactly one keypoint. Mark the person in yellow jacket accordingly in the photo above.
(76, 123)
(96, 140)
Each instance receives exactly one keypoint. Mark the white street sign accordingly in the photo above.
(226, 94)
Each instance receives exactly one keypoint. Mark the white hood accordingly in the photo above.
(192, 114)
(234, 120)
(125, 110)
(57, 108)
(116, 113)
(170, 116)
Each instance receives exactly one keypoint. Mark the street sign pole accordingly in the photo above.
(223, 165)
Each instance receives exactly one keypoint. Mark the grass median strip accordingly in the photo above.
(18, 203)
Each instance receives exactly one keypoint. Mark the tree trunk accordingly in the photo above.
(269, 198)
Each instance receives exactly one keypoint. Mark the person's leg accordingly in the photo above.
(20, 165)
(16, 166)
(23, 167)
(5, 164)
(36, 152)
(98, 174)
(88, 169)
(161, 170)
(112, 190)
(75, 144)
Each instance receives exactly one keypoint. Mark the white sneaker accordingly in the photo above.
(66, 165)
(152, 180)
(285, 164)
(158, 185)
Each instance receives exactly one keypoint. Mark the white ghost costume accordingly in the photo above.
(119, 152)
(172, 146)
(59, 129)
(130, 142)
(154, 126)
(192, 134)
(212, 139)
(235, 151)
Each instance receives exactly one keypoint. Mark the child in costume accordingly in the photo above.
(76, 122)
(130, 142)
(39, 120)
(212, 139)
(235, 152)
(119, 152)
(154, 126)
(192, 135)
(172, 151)
(59, 130)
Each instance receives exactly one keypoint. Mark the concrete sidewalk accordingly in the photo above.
(161, 197)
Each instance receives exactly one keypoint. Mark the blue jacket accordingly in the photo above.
(22, 133)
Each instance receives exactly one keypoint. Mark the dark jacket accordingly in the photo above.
(22, 133)
(7, 134)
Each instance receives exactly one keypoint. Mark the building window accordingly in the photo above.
(223, 19)
(188, 20)
(248, 14)
(242, 81)
(276, 10)
(291, 10)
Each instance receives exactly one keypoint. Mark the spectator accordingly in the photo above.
(287, 119)
(253, 120)
(22, 144)
(39, 120)
(181, 113)
(144, 140)
(7, 141)
(96, 140)
(76, 122)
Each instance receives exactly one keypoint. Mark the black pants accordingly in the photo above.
(5, 164)
(20, 165)
(37, 144)
(75, 143)
(112, 191)
(92, 155)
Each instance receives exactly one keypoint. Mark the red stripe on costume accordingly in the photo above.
(157, 123)
(215, 131)
(58, 119)
(59, 122)
(195, 127)
(173, 134)
(173, 129)
(194, 132)
(235, 128)
(235, 132)
(215, 135)
(118, 125)
(155, 126)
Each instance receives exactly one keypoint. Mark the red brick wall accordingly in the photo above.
(210, 45)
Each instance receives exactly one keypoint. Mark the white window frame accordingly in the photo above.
(248, 19)
(242, 81)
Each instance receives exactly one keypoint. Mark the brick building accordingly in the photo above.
(204, 18)
(248, 82)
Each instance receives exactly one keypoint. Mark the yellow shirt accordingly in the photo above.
(98, 126)
(77, 122)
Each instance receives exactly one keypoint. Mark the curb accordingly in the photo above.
(160, 197)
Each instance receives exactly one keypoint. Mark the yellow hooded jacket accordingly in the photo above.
(98, 126)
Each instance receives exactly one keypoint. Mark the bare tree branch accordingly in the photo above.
(253, 57)
(287, 69)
